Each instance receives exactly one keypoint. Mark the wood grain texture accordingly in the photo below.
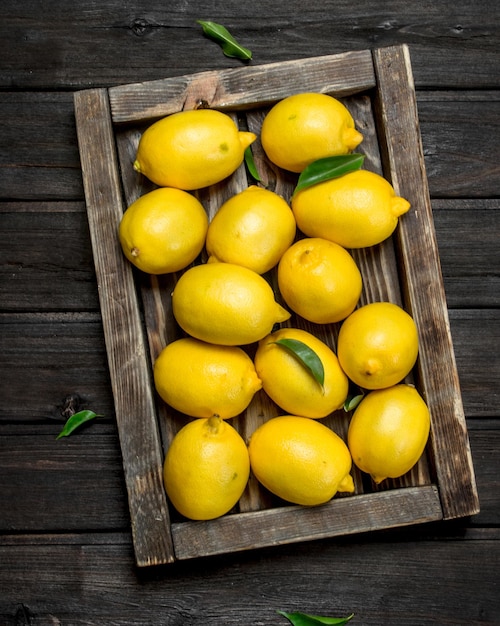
(87, 580)
(422, 280)
(129, 370)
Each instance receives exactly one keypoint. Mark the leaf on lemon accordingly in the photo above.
(303, 619)
(75, 421)
(220, 34)
(306, 356)
(327, 168)
(250, 163)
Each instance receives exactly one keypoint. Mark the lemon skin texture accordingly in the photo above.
(163, 231)
(201, 379)
(206, 469)
(377, 345)
(319, 280)
(356, 210)
(253, 228)
(388, 432)
(300, 460)
(225, 304)
(305, 127)
(290, 385)
(191, 149)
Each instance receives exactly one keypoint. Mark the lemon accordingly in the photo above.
(319, 280)
(305, 127)
(206, 468)
(252, 228)
(300, 460)
(202, 379)
(356, 210)
(163, 231)
(378, 345)
(388, 432)
(289, 383)
(191, 149)
(225, 304)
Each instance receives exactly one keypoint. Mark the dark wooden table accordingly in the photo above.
(66, 553)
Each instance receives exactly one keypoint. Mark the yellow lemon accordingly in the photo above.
(357, 210)
(163, 231)
(253, 229)
(202, 379)
(191, 149)
(289, 383)
(378, 345)
(319, 280)
(388, 432)
(225, 304)
(300, 460)
(305, 127)
(206, 468)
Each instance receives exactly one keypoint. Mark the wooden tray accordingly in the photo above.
(377, 87)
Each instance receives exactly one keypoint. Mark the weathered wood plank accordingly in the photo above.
(74, 46)
(425, 296)
(46, 259)
(50, 484)
(88, 581)
(291, 524)
(52, 363)
(243, 88)
(127, 353)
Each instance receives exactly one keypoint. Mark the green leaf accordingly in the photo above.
(352, 402)
(330, 167)
(303, 619)
(220, 34)
(250, 163)
(307, 357)
(75, 421)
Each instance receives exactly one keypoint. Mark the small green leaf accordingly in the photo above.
(307, 357)
(330, 167)
(352, 402)
(250, 163)
(220, 34)
(75, 421)
(303, 619)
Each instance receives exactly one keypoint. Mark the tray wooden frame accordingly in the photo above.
(378, 87)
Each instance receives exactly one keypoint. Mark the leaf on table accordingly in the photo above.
(306, 356)
(327, 168)
(220, 34)
(303, 619)
(75, 421)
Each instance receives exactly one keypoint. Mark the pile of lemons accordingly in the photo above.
(238, 339)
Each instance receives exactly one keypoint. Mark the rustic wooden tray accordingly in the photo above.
(377, 87)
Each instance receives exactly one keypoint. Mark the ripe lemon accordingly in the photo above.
(191, 149)
(206, 468)
(202, 379)
(289, 383)
(388, 432)
(319, 280)
(253, 229)
(300, 460)
(356, 210)
(163, 231)
(378, 345)
(225, 304)
(305, 127)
